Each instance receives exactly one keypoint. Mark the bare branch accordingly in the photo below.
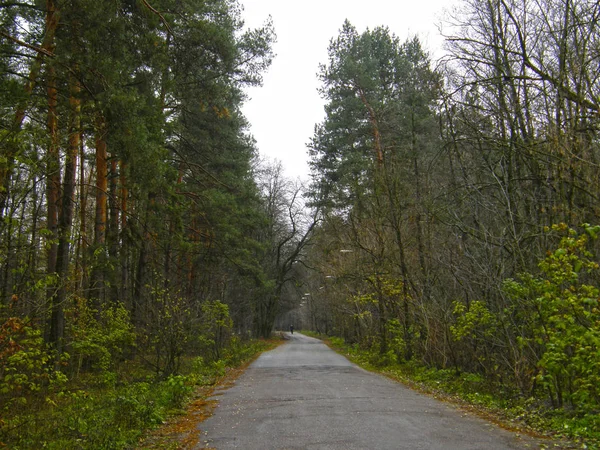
(35, 48)
(162, 18)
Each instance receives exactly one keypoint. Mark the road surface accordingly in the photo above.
(302, 395)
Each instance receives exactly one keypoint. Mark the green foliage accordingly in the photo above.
(397, 342)
(565, 320)
(169, 333)
(391, 287)
(113, 416)
(238, 350)
(176, 389)
(99, 340)
(108, 419)
(474, 321)
(25, 363)
(215, 329)
(139, 405)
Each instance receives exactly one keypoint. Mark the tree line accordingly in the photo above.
(136, 219)
(460, 200)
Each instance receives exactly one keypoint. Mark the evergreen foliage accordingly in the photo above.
(131, 218)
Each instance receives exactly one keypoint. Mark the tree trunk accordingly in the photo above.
(124, 239)
(57, 320)
(113, 230)
(52, 183)
(98, 275)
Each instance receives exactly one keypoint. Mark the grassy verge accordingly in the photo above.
(181, 432)
(497, 403)
(102, 413)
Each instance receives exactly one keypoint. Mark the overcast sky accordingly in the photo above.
(284, 111)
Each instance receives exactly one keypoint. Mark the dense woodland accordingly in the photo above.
(130, 184)
(460, 199)
(136, 219)
(451, 218)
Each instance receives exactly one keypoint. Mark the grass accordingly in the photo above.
(495, 402)
(102, 413)
(181, 431)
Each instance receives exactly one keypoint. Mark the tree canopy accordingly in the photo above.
(128, 175)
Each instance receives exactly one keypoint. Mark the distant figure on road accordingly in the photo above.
(292, 329)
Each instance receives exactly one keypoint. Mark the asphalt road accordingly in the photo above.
(302, 395)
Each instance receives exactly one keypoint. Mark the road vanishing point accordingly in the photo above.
(303, 395)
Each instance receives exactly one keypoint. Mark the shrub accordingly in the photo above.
(564, 319)
(216, 329)
(25, 359)
(99, 340)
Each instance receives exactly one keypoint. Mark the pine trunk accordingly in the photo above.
(98, 275)
(113, 229)
(57, 320)
(52, 182)
(123, 235)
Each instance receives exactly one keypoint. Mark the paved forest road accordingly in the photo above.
(302, 395)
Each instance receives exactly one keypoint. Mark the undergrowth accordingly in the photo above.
(499, 400)
(110, 410)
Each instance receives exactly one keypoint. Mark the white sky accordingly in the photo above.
(284, 111)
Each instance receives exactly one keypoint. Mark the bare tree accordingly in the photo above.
(290, 224)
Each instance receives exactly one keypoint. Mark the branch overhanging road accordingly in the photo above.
(303, 395)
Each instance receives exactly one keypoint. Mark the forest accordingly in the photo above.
(450, 222)
(459, 203)
(138, 226)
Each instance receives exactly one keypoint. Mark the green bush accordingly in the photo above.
(169, 332)
(25, 363)
(176, 389)
(99, 340)
(109, 415)
(215, 329)
(563, 311)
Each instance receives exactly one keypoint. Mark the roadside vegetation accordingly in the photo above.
(108, 409)
(459, 242)
(496, 402)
